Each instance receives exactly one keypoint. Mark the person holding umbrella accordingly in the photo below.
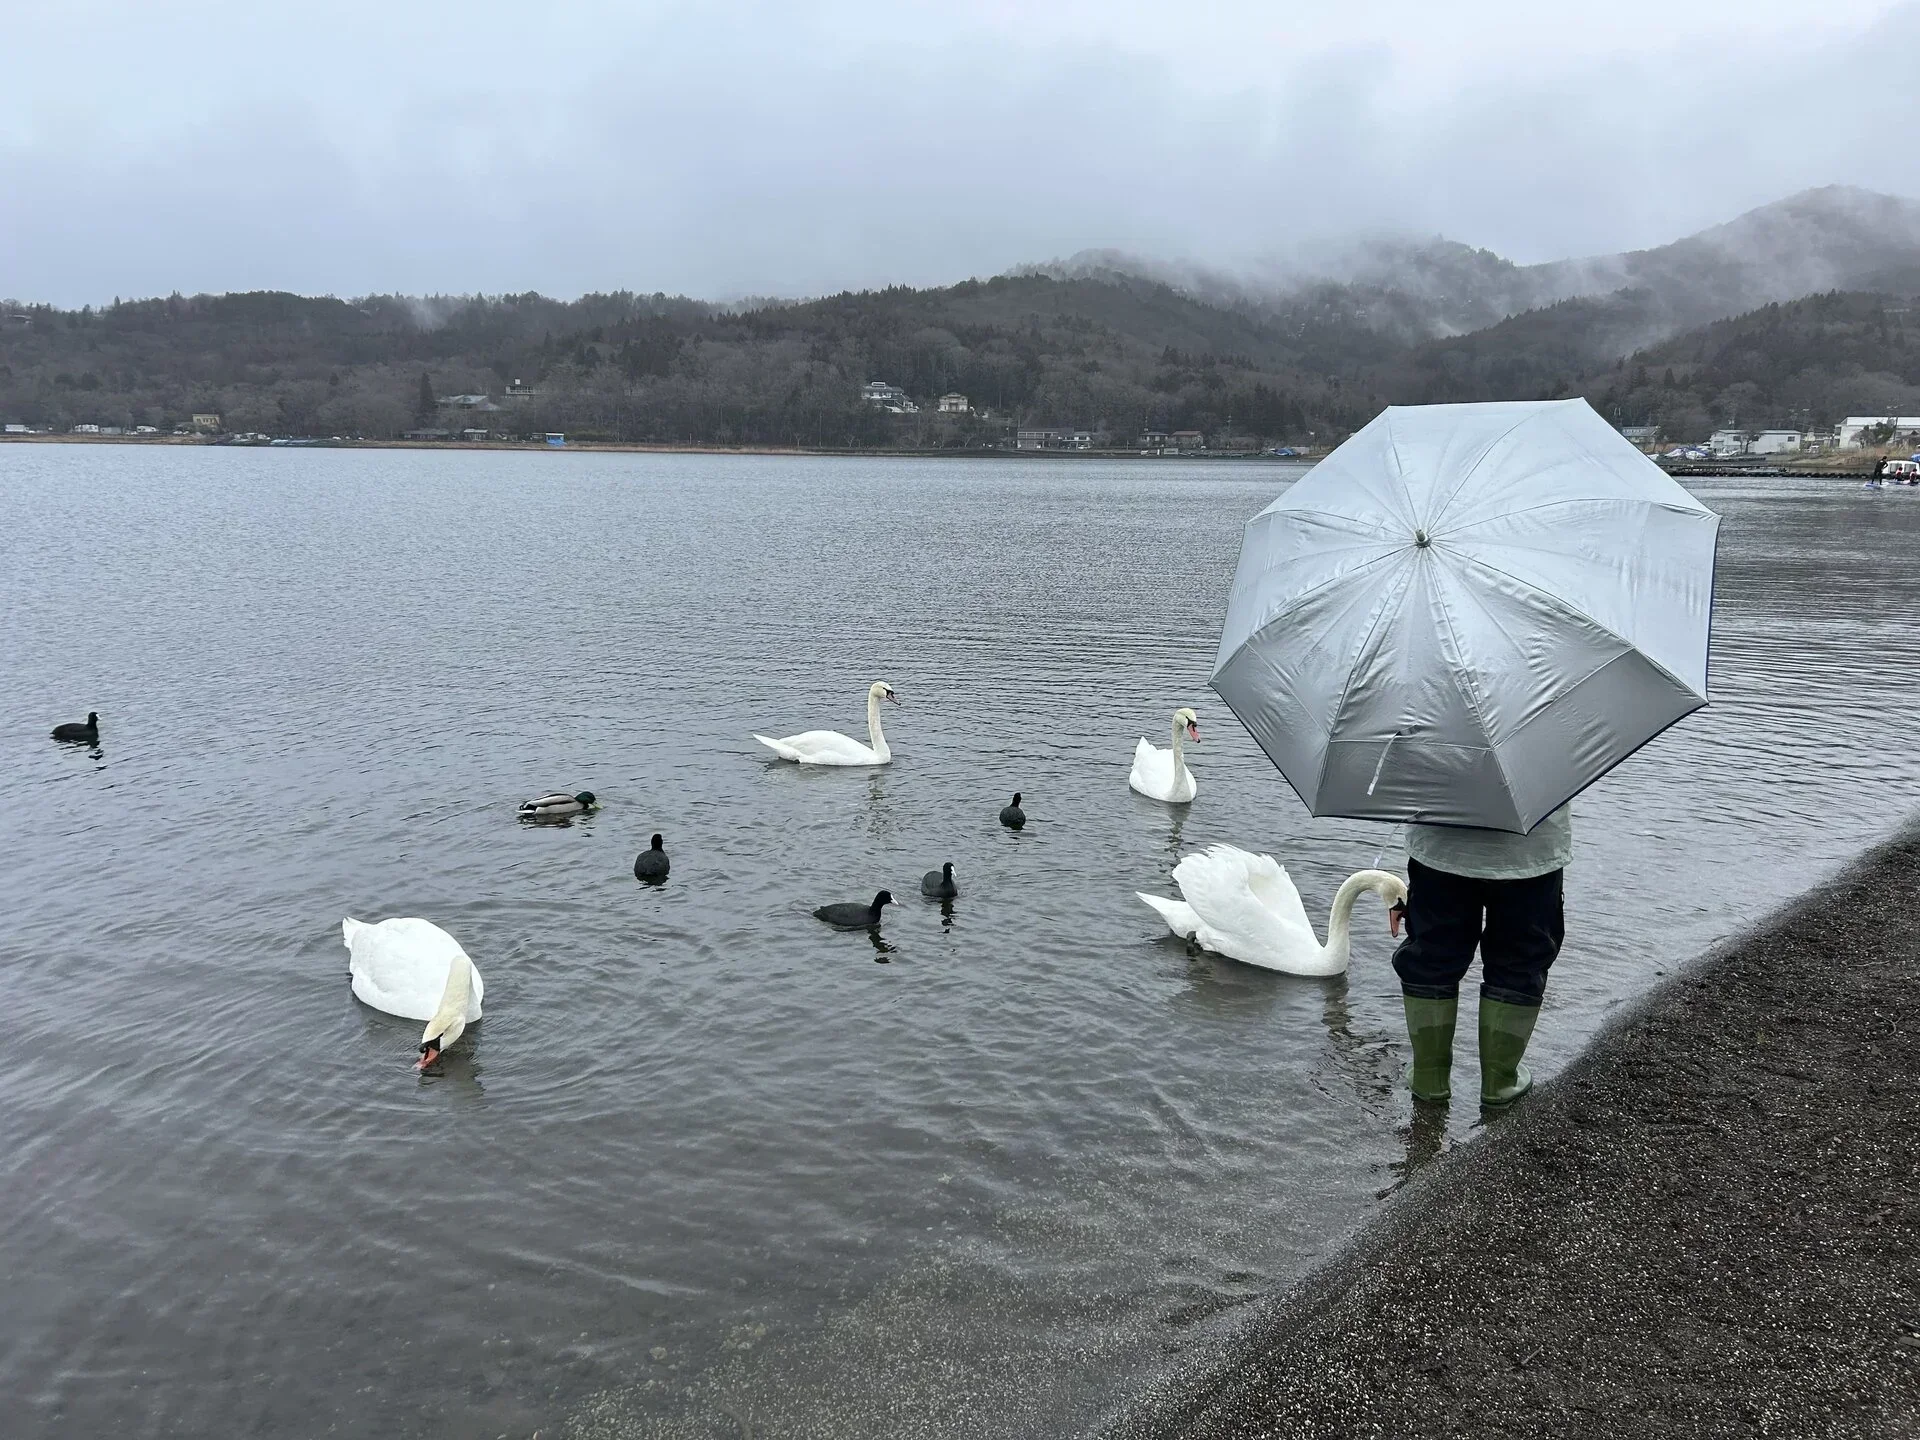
(1461, 618)
(1502, 893)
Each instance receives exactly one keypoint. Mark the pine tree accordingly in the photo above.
(424, 406)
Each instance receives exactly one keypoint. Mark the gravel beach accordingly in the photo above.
(1706, 1226)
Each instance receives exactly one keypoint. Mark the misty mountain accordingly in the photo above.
(1834, 238)
(1100, 344)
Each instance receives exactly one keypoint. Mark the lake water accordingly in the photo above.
(706, 1166)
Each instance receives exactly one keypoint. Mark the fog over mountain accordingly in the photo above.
(747, 147)
(1833, 238)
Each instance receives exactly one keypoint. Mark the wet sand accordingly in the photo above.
(1706, 1226)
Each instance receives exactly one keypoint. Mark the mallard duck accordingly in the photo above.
(552, 807)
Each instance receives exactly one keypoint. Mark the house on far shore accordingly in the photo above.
(1187, 440)
(517, 391)
(1235, 444)
(13, 429)
(466, 402)
(1851, 431)
(890, 398)
(1777, 442)
(953, 403)
(85, 430)
(206, 424)
(1643, 436)
(1037, 437)
(1727, 443)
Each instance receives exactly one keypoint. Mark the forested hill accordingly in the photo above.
(1118, 352)
(1807, 363)
(1105, 351)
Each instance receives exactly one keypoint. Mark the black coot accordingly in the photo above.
(848, 916)
(652, 864)
(939, 883)
(75, 730)
(1012, 816)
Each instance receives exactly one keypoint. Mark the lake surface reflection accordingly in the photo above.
(705, 1165)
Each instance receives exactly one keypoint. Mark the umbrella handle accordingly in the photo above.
(1383, 761)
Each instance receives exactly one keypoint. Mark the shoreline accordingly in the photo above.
(1823, 469)
(643, 447)
(1703, 1226)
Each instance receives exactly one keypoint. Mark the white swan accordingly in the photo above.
(1163, 774)
(414, 969)
(1246, 908)
(830, 747)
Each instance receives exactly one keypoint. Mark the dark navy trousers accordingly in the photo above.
(1517, 926)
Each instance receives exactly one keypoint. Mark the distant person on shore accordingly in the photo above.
(1497, 892)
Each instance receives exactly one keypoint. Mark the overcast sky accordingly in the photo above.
(730, 149)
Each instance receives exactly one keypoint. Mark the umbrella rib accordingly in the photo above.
(1433, 520)
(1557, 505)
(1297, 601)
(1559, 603)
(1326, 753)
(1471, 691)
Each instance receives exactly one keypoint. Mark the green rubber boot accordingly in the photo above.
(1504, 1032)
(1430, 1029)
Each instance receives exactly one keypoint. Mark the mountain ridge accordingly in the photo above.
(1106, 348)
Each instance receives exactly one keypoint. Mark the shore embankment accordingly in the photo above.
(1706, 1226)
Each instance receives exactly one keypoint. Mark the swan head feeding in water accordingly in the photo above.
(449, 1022)
(433, 1047)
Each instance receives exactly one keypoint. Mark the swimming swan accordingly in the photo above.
(1247, 908)
(830, 747)
(414, 969)
(1163, 774)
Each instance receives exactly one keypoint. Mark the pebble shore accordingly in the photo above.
(1706, 1226)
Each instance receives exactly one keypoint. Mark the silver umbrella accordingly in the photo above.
(1466, 614)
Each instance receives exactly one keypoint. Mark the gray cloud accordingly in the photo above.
(756, 149)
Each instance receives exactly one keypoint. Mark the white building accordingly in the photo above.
(879, 392)
(1777, 442)
(953, 403)
(1727, 443)
(1850, 431)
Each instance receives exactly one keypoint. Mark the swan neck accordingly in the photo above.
(453, 999)
(875, 736)
(1179, 749)
(1340, 918)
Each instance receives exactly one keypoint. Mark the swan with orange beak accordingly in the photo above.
(412, 968)
(1163, 774)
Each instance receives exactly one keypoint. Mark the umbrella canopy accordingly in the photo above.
(1467, 614)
